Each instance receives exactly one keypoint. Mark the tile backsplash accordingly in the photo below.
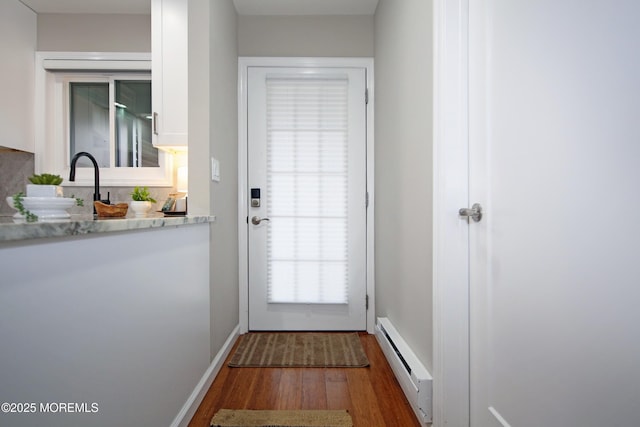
(15, 169)
(17, 166)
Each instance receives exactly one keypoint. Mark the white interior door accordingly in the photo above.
(307, 206)
(554, 151)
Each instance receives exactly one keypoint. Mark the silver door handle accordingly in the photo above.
(155, 123)
(255, 220)
(475, 212)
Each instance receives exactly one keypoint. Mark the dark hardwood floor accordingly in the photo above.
(372, 395)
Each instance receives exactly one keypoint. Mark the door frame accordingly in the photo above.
(243, 202)
(451, 273)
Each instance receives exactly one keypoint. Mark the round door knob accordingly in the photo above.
(475, 212)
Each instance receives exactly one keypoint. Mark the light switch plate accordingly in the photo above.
(215, 169)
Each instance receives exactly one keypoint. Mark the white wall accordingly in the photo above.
(199, 107)
(17, 42)
(305, 36)
(94, 32)
(213, 131)
(224, 147)
(403, 40)
(118, 319)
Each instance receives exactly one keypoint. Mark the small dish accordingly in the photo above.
(111, 211)
(174, 213)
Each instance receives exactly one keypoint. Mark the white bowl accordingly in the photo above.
(17, 217)
(10, 201)
(49, 208)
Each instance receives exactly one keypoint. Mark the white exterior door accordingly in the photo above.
(554, 152)
(307, 198)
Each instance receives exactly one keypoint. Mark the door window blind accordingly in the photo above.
(307, 177)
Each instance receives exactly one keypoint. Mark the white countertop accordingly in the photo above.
(85, 224)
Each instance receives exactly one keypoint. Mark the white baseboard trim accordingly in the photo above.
(191, 405)
(498, 417)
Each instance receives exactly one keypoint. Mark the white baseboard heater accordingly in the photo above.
(415, 380)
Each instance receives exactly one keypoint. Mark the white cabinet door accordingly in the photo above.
(169, 73)
(17, 46)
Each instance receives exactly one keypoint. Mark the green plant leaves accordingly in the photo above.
(141, 194)
(17, 203)
(46, 179)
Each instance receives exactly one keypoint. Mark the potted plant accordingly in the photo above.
(141, 201)
(44, 185)
(44, 200)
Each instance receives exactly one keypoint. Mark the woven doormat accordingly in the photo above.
(299, 349)
(303, 418)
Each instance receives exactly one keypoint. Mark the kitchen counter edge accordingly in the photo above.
(82, 225)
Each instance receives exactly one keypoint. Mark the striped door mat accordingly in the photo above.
(299, 349)
(302, 418)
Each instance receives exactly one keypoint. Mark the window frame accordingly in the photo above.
(54, 70)
(69, 78)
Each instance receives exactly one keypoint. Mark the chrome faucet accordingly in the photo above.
(96, 175)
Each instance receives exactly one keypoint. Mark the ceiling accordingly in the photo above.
(306, 7)
(89, 6)
(244, 7)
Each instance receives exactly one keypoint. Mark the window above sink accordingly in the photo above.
(101, 104)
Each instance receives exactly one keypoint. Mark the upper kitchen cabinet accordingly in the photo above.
(18, 32)
(169, 45)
